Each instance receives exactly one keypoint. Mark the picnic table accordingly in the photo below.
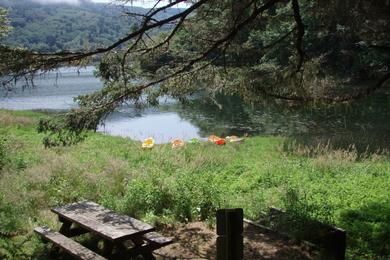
(123, 237)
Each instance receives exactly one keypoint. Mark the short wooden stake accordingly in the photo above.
(230, 226)
(335, 245)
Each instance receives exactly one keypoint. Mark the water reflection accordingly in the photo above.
(364, 123)
(163, 127)
(55, 91)
(51, 91)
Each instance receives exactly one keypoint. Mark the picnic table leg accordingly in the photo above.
(138, 242)
(119, 251)
(54, 252)
(65, 228)
(148, 256)
(108, 247)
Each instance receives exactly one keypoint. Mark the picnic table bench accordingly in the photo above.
(117, 232)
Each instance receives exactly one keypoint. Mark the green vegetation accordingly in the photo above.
(4, 23)
(336, 54)
(55, 27)
(300, 51)
(165, 185)
(296, 51)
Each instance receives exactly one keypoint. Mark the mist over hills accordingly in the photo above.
(67, 25)
(56, 1)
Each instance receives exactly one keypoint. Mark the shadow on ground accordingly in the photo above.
(197, 241)
(368, 227)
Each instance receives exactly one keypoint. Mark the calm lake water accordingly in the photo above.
(199, 118)
(55, 91)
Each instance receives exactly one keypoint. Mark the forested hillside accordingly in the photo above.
(72, 27)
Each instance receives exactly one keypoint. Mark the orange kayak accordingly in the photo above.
(177, 143)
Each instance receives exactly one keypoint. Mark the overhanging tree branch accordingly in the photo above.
(200, 55)
(108, 104)
(300, 35)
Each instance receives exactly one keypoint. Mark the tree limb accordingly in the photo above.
(301, 33)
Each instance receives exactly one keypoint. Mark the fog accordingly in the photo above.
(73, 2)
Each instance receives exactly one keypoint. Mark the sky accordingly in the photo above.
(143, 3)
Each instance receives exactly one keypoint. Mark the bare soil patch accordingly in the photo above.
(197, 241)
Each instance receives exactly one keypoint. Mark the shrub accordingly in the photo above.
(10, 218)
(196, 197)
(145, 196)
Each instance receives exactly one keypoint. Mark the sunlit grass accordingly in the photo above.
(332, 185)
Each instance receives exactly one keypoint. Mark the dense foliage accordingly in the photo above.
(343, 50)
(56, 27)
(4, 23)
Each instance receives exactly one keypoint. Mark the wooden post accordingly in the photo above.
(230, 242)
(335, 244)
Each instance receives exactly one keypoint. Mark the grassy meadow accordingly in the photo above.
(162, 185)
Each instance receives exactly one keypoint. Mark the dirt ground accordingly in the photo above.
(197, 241)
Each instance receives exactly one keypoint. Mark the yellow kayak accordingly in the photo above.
(148, 143)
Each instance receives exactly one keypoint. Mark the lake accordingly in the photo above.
(55, 91)
(200, 117)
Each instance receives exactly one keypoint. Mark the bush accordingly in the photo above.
(196, 197)
(145, 196)
(188, 198)
(10, 218)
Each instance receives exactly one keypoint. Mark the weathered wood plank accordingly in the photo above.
(106, 223)
(70, 246)
(331, 240)
(157, 238)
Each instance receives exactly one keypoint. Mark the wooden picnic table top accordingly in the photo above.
(103, 222)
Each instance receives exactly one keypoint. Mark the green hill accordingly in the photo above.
(53, 27)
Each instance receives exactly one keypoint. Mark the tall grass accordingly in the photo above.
(333, 185)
